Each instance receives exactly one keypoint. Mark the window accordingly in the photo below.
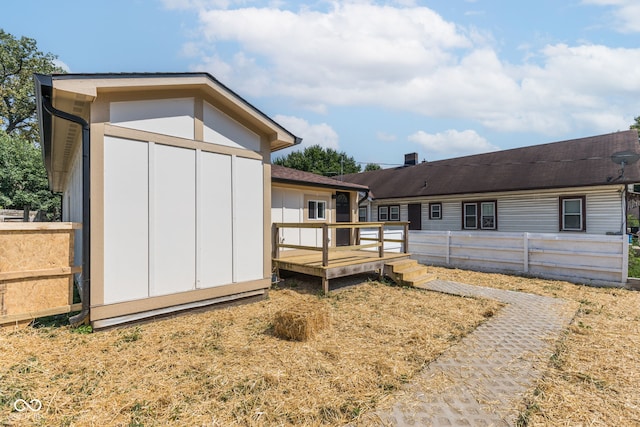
(488, 220)
(383, 213)
(389, 213)
(362, 214)
(394, 213)
(470, 216)
(317, 209)
(572, 217)
(435, 210)
(480, 215)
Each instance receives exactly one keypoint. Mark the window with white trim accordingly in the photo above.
(317, 209)
(383, 213)
(480, 215)
(394, 213)
(572, 213)
(435, 210)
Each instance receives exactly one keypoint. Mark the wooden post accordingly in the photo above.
(325, 285)
(381, 241)
(325, 245)
(406, 237)
(276, 241)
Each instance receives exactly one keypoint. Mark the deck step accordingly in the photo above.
(408, 272)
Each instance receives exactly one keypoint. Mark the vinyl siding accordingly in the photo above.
(533, 211)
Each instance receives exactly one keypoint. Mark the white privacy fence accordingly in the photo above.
(578, 258)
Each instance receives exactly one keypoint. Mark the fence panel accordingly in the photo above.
(590, 259)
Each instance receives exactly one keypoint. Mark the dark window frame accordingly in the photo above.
(478, 215)
(388, 210)
(583, 214)
(434, 204)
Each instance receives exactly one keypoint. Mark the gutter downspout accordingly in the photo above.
(81, 317)
(366, 195)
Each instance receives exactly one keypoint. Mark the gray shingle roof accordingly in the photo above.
(294, 176)
(573, 163)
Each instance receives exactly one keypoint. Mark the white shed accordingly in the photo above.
(177, 181)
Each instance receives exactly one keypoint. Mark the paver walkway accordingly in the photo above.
(482, 380)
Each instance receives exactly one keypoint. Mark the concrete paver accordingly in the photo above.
(481, 380)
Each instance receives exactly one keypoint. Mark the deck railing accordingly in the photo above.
(355, 238)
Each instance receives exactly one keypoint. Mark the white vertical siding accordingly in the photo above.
(126, 214)
(248, 240)
(72, 206)
(215, 220)
(222, 129)
(173, 117)
(174, 220)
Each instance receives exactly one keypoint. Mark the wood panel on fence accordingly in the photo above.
(36, 270)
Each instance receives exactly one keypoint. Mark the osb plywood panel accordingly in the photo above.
(22, 250)
(34, 295)
(32, 258)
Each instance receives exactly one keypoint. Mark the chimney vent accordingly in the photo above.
(411, 159)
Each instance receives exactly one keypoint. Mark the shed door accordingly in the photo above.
(415, 216)
(343, 214)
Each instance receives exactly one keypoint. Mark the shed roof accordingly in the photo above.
(574, 163)
(293, 176)
(74, 93)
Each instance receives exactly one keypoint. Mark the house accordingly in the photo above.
(576, 186)
(554, 210)
(170, 176)
(304, 197)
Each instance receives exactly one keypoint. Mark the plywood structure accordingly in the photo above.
(36, 270)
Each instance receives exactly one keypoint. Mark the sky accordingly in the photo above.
(375, 79)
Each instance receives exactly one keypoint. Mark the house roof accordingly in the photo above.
(574, 163)
(293, 176)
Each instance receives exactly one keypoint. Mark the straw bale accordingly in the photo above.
(301, 321)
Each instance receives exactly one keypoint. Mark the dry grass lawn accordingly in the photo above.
(594, 376)
(225, 367)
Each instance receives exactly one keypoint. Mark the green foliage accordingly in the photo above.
(19, 59)
(322, 161)
(372, 167)
(636, 125)
(632, 221)
(23, 179)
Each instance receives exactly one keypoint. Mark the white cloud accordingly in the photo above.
(312, 134)
(409, 58)
(452, 143)
(626, 13)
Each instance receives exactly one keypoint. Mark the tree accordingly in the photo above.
(322, 161)
(19, 59)
(23, 179)
(636, 125)
(372, 167)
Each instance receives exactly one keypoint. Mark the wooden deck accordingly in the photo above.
(341, 263)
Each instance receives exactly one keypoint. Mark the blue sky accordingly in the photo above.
(376, 79)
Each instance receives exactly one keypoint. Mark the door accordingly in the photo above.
(343, 214)
(415, 216)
